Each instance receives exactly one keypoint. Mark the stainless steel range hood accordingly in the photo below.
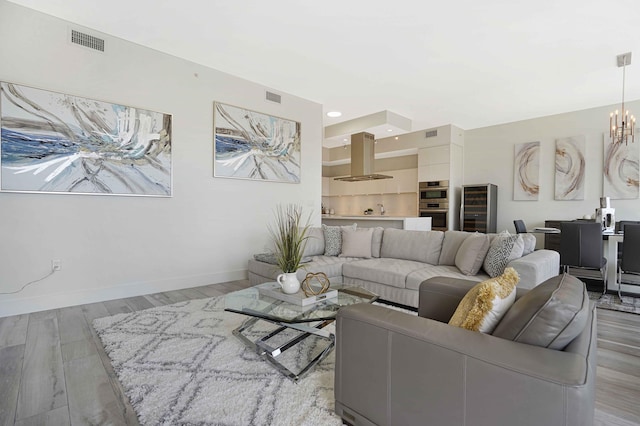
(363, 159)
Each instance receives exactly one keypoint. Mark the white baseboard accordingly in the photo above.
(93, 295)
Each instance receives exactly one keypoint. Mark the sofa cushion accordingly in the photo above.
(386, 271)
(315, 242)
(471, 253)
(330, 265)
(333, 238)
(415, 278)
(376, 241)
(356, 242)
(272, 259)
(504, 248)
(550, 315)
(421, 246)
(486, 303)
(450, 245)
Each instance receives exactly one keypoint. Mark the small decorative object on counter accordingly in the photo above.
(321, 278)
(368, 211)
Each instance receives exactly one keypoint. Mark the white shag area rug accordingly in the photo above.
(180, 364)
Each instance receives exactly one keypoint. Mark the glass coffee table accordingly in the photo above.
(290, 326)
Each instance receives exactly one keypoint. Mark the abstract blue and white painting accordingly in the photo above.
(252, 145)
(57, 143)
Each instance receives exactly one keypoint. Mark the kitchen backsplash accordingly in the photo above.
(355, 205)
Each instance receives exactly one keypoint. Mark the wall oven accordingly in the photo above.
(433, 202)
(439, 220)
(434, 191)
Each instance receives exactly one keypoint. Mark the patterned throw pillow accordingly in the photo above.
(504, 248)
(333, 238)
(482, 308)
(270, 258)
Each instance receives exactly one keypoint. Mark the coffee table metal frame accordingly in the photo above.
(307, 323)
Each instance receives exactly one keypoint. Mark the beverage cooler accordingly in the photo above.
(478, 208)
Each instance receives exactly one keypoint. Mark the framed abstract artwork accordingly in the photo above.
(63, 144)
(621, 174)
(253, 145)
(526, 171)
(570, 168)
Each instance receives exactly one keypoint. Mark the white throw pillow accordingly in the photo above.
(529, 243)
(471, 253)
(482, 308)
(504, 248)
(356, 242)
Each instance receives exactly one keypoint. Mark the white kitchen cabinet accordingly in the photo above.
(407, 180)
(434, 163)
(326, 186)
(403, 181)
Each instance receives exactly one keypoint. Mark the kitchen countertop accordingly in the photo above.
(372, 220)
(365, 217)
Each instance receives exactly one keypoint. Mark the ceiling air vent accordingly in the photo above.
(431, 133)
(87, 40)
(274, 97)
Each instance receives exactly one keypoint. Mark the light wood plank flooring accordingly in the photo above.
(54, 371)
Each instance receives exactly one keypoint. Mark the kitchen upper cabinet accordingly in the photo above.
(326, 186)
(406, 180)
(434, 163)
(403, 181)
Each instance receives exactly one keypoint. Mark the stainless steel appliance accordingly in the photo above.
(433, 202)
(363, 159)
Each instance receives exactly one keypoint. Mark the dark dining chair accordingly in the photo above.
(520, 227)
(630, 260)
(620, 229)
(581, 250)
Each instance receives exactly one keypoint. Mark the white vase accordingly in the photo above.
(289, 282)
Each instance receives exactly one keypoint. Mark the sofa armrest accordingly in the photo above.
(395, 368)
(438, 297)
(536, 267)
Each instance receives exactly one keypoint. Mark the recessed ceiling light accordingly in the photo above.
(334, 114)
(396, 138)
(389, 130)
(345, 140)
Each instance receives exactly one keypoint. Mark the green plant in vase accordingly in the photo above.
(289, 239)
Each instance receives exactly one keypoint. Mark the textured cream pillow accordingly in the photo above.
(356, 242)
(529, 243)
(484, 305)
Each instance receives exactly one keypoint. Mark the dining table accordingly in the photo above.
(610, 241)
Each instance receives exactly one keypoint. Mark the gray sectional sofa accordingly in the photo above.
(538, 367)
(393, 263)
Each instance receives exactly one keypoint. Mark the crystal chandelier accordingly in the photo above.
(622, 131)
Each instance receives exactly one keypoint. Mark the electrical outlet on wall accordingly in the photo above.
(56, 264)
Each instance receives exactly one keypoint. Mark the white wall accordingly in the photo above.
(112, 246)
(489, 158)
